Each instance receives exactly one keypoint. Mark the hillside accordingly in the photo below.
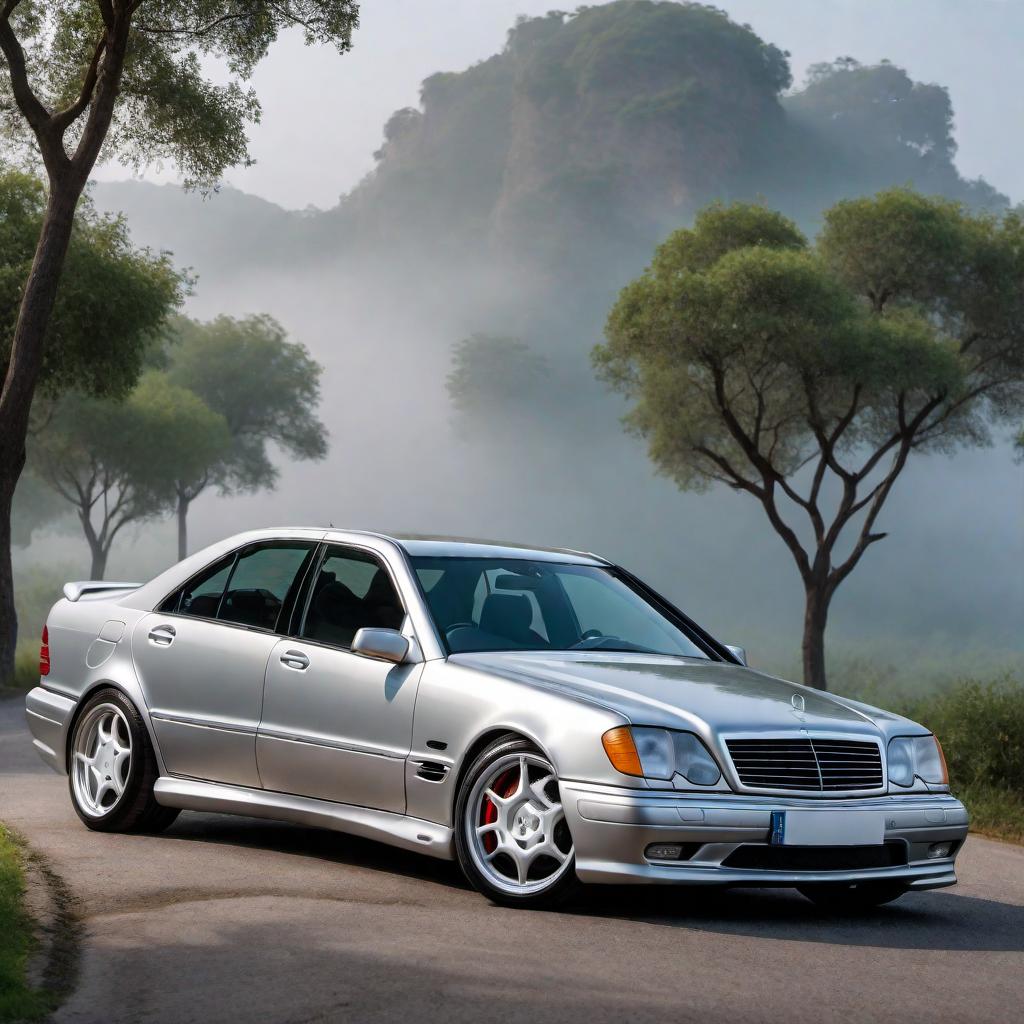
(515, 202)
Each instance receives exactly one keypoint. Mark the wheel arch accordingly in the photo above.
(481, 743)
(87, 694)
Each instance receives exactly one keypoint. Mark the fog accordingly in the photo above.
(381, 310)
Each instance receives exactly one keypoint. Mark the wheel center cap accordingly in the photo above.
(525, 824)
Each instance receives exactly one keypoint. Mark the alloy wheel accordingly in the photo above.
(515, 824)
(102, 758)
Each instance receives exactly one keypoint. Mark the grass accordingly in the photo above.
(26, 669)
(18, 1001)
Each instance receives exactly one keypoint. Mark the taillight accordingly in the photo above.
(44, 654)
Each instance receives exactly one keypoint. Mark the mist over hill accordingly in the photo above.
(516, 200)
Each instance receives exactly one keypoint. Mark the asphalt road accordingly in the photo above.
(231, 919)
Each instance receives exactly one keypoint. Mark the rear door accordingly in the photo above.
(201, 659)
(336, 725)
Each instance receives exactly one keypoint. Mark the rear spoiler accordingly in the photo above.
(73, 591)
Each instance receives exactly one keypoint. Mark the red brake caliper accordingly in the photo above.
(505, 785)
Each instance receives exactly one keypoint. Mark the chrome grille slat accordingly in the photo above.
(810, 764)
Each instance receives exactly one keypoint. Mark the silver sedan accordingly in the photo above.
(541, 716)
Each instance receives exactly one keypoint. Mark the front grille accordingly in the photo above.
(807, 764)
(816, 858)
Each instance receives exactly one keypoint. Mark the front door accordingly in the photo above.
(202, 657)
(336, 725)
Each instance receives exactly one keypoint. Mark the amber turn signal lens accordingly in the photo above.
(618, 745)
(942, 761)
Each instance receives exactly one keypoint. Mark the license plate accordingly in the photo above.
(827, 828)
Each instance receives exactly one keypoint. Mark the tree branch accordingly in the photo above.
(31, 107)
(66, 117)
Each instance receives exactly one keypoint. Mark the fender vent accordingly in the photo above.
(431, 771)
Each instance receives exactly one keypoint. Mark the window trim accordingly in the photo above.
(314, 571)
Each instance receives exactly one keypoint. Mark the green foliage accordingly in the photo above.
(748, 355)
(168, 108)
(116, 462)
(492, 373)
(265, 387)
(112, 302)
(981, 728)
(17, 1000)
(36, 507)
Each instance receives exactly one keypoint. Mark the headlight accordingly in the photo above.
(918, 757)
(660, 754)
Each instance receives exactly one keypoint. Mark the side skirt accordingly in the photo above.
(395, 829)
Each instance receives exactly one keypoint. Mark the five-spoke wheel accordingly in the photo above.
(102, 759)
(513, 840)
(112, 768)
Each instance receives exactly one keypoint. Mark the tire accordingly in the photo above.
(512, 840)
(112, 768)
(851, 897)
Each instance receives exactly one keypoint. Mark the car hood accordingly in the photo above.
(685, 692)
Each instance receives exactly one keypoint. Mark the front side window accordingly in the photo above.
(486, 604)
(352, 590)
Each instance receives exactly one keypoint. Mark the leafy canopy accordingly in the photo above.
(98, 454)
(748, 353)
(112, 301)
(168, 105)
(265, 387)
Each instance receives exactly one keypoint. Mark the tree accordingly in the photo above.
(111, 304)
(267, 390)
(494, 374)
(117, 462)
(807, 376)
(122, 77)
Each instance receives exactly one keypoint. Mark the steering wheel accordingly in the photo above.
(459, 625)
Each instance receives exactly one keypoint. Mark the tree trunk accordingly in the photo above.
(8, 618)
(19, 386)
(98, 569)
(183, 504)
(815, 619)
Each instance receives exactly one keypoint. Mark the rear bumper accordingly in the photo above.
(612, 829)
(49, 716)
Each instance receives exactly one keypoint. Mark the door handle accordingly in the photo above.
(295, 660)
(162, 636)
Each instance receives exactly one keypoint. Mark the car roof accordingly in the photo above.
(430, 546)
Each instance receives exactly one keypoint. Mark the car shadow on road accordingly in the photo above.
(320, 844)
(927, 920)
(919, 920)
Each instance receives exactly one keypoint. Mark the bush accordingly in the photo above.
(981, 728)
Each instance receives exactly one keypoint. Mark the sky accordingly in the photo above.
(970, 46)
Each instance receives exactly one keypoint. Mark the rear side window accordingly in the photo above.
(261, 580)
(249, 588)
(201, 595)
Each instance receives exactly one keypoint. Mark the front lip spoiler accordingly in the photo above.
(916, 877)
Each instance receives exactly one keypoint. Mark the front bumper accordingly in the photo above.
(612, 828)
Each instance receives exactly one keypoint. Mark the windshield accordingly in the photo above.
(499, 604)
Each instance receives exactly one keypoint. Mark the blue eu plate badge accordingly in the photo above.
(778, 834)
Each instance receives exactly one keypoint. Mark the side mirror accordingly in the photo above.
(382, 644)
(740, 653)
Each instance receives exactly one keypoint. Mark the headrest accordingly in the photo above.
(333, 598)
(506, 615)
